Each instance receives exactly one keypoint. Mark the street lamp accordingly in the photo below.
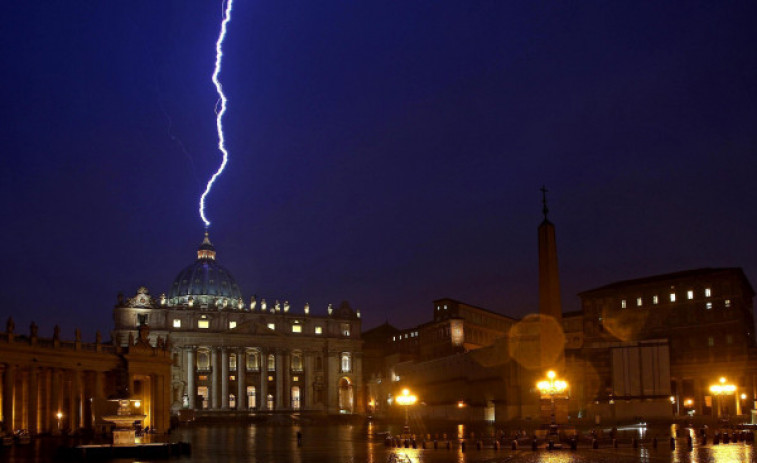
(722, 389)
(406, 400)
(59, 415)
(552, 387)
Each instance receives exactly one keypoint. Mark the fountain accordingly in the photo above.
(124, 419)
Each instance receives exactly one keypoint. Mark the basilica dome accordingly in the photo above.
(205, 283)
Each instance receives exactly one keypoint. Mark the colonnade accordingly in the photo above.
(45, 399)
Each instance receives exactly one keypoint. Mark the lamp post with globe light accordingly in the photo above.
(720, 389)
(406, 400)
(552, 387)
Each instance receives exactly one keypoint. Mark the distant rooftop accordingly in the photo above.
(682, 275)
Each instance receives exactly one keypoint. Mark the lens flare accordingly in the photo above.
(220, 109)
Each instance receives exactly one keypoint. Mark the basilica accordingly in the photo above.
(230, 357)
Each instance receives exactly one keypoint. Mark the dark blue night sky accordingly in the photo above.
(386, 153)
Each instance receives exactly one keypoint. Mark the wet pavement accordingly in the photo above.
(348, 443)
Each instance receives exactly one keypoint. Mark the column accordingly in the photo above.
(33, 408)
(55, 396)
(76, 387)
(214, 370)
(9, 380)
(241, 380)
(287, 373)
(262, 405)
(279, 381)
(224, 378)
(306, 384)
(191, 371)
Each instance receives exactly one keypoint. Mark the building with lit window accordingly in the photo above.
(247, 358)
(706, 318)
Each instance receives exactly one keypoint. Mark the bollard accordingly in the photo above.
(573, 443)
(551, 445)
(436, 444)
(594, 443)
(478, 444)
(704, 439)
(690, 442)
(387, 442)
(654, 442)
(533, 444)
(726, 438)
(414, 444)
(496, 445)
(407, 443)
(716, 439)
(615, 443)
(448, 446)
(462, 446)
(635, 442)
(672, 443)
(423, 444)
(514, 445)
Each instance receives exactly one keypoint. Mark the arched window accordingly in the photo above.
(295, 397)
(233, 362)
(271, 362)
(346, 362)
(232, 401)
(269, 401)
(296, 361)
(203, 360)
(253, 360)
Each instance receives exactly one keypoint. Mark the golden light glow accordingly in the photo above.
(406, 398)
(552, 386)
(688, 402)
(672, 399)
(461, 404)
(137, 403)
(743, 396)
(59, 415)
(723, 388)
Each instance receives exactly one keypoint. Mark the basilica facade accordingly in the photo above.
(247, 358)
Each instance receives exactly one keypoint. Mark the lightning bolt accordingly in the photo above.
(220, 109)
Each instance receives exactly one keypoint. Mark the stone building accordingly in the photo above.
(50, 385)
(248, 358)
(645, 347)
(705, 316)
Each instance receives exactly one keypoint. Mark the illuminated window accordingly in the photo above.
(295, 378)
(296, 328)
(203, 377)
(272, 326)
(250, 397)
(438, 308)
(707, 292)
(623, 304)
(689, 294)
(346, 362)
(296, 361)
(233, 361)
(295, 395)
(638, 301)
(394, 338)
(253, 361)
(270, 378)
(727, 302)
(709, 305)
(318, 330)
(176, 323)
(271, 362)
(232, 325)
(711, 341)
(672, 297)
(141, 319)
(655, 300)
(232, 378)
(232, 401)
(445, 307)
(346, 329)
(204, 324)
(269, 401)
